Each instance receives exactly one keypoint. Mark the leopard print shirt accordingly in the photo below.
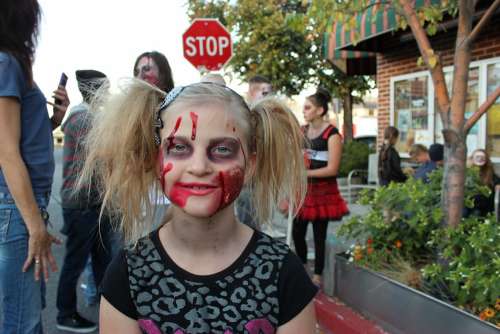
(263, 289)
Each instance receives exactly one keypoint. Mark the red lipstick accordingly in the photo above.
(181, 191)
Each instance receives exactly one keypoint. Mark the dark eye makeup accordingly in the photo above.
(222, 149)
(218, 149)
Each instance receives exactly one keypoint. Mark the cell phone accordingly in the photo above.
(62, 82)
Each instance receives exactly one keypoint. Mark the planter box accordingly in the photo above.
(400, 309)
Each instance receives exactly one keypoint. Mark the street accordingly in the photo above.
(50, 313)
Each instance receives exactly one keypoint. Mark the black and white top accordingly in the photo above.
(263, 289)
(317, 151)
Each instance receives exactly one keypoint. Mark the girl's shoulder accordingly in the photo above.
(329, 131)
(147, 252)
(266, 243)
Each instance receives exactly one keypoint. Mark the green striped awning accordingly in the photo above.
(379, 18)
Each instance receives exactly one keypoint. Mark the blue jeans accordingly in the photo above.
(21, 297)
(88, 284)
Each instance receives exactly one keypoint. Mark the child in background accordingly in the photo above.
(323, 202)
(389, 162)
(203, 272)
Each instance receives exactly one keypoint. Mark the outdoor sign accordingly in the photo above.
(207, 44)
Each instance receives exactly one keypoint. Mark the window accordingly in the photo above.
(410, 110)
(471, 105)
(414, 109)
(493, 116)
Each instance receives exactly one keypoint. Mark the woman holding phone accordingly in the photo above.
(26, 171)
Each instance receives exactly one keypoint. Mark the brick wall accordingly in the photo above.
(401, 58)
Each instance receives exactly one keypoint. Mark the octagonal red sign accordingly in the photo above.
(207, 44)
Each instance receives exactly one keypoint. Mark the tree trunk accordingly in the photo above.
(454, 133)
(455, 154)
(347, 103)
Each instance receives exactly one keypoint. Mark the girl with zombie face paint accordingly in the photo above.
(153, 67)
(483, 205)
(203, 272)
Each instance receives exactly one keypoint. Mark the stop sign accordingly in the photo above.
(207, 44)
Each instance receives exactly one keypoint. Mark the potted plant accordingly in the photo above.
(406, 271)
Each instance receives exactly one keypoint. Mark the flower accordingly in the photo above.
(497, 304)
(369, 250)
(369, 241)
(489, 312)
(482, 316)
(358, 253)
(398, 244)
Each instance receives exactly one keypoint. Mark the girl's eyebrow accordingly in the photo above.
(211, 141)
(231, 140)
(175, 137)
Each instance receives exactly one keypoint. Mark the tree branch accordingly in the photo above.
(426, 51)
(482, 109)
(482, 22)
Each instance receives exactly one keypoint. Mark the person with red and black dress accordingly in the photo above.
(323, 202)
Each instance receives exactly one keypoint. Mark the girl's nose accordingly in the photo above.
(199, 164)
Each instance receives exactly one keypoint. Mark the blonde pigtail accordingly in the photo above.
(121, 154)
(280, 172)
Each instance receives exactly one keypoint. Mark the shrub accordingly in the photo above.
(403, 237)
(471, 270)
(354, 156)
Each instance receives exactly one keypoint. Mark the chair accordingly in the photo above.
(371, 175)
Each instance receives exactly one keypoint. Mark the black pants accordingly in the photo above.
(299, 239)
(86, 236)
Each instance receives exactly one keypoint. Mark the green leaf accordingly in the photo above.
(433, 60)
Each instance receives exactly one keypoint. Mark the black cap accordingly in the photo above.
(89, 81)
(436, 152)
(88, 75)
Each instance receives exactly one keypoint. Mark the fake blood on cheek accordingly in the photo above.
(231, 183)
(164, 169)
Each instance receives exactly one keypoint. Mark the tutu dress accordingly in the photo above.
(323, 200)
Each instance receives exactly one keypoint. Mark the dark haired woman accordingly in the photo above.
(323, 202)
(26, 171)
(153, 68)
(389, 163)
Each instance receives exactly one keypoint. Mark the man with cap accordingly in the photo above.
(86, 236)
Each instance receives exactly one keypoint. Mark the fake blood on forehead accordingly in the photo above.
(171, 136)
(194, 119)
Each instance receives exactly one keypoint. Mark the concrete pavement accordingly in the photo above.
(55, 212)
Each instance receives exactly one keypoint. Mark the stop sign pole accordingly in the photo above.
(207, 44)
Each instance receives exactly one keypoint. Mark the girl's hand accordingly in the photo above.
(40, 253)
(60, 108)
